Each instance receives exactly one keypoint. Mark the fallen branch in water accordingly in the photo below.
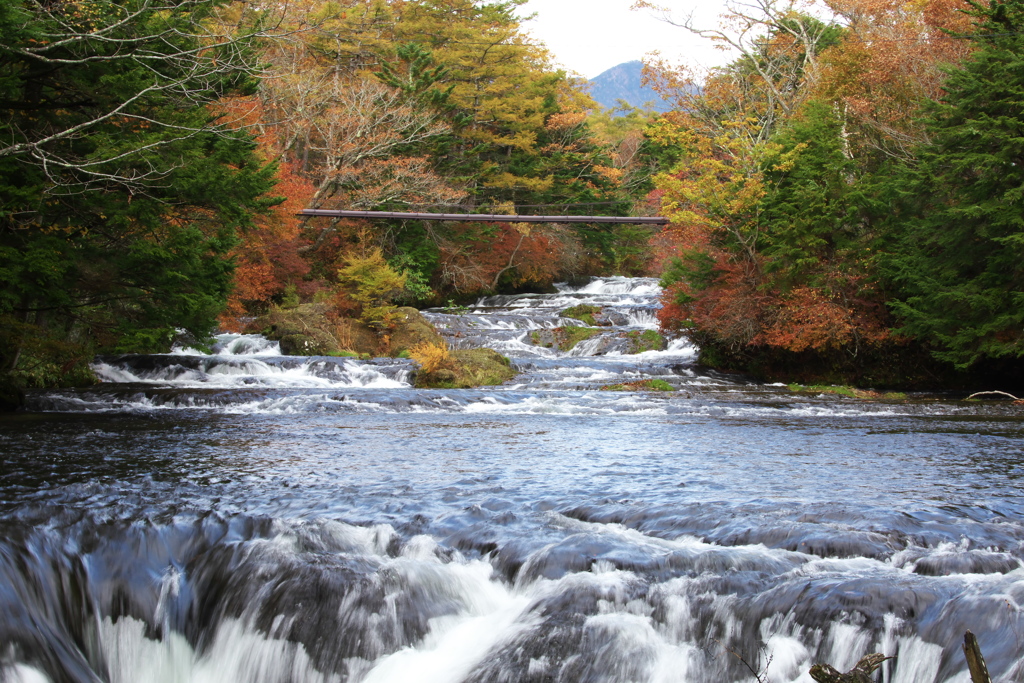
(975, 662)
(862, 673)
(759, 673)
(994, 393)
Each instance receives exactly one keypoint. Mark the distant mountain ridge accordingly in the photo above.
(625, 82)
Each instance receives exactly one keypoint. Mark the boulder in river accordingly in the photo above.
(411, 329)
(566, 338)
(312, 330)
(468, 368)
(12, 397)
(562, 338)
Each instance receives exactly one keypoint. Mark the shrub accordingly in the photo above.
(432, 357)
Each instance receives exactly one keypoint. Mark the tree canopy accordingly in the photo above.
(850, 191)
(958, 258)
(122, 187)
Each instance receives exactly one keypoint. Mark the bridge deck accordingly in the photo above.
(485, 218)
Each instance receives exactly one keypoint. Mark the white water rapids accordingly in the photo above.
(241, 516)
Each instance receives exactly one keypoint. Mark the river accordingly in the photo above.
(242, 516)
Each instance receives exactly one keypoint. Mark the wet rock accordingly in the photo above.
(969, 562)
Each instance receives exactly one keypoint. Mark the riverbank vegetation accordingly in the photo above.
(846, 205)
(845, 196)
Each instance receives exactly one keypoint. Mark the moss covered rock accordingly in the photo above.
(562, 338)
(305, 330)
(411, 329)
(640, 385)
(316, 343)
(591, 315)
(312, 330)
(468, 368)
(648, 340)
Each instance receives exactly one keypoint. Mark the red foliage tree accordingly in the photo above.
(481, 257)
(267, 261)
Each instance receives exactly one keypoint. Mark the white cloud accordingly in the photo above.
(591, 36)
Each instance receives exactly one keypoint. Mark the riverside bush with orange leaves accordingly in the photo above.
(432, 357)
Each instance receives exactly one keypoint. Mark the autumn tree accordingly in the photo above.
(773, 255)
(429, 104)
(890, 64)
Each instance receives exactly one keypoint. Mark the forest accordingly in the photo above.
(845, 196)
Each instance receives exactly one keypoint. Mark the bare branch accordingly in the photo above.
(190, 58)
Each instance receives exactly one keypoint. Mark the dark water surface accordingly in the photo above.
(245, 516)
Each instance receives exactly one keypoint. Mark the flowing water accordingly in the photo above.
(242, 516)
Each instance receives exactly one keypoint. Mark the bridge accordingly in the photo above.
(484, 218)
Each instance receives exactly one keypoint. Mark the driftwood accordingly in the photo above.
(975, 662)
(862, 673)
(993, 393)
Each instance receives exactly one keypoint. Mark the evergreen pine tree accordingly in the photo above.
(959, 258)
(121, 191)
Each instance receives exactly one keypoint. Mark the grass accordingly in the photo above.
(848, 392)
(640, 385)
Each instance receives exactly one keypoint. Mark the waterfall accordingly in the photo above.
(234, 515)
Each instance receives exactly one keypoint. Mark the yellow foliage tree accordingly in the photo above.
(374, 284)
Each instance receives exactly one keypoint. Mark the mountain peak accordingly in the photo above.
(625, 82)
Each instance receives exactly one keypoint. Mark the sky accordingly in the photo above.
(590, 36)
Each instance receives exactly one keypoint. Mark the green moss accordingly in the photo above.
(584, 312)
(571, 336)
(648, 340)
(641, 385)
(562, 338)
(345, 353)
(848, 392)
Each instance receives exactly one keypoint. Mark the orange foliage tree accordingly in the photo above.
(890, 62)
(267, 260)
(770, 253)
(479, 257)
